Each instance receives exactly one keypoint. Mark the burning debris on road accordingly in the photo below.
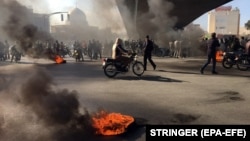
(17, 24)
(59, 59)
(42, 106)
(111, 123)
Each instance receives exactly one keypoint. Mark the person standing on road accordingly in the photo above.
(212, 45)
(148, 48)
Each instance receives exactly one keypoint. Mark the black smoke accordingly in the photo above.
(17, 26)
(54, 114)
(154, 18)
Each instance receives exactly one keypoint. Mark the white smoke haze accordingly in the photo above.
(105, 14)
(38, 6)
(128, 20)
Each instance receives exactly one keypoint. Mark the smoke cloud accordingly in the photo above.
(159, 24)
(36, 110)
(39, 6)
(17, 26)
(156, 22)
(107, 14)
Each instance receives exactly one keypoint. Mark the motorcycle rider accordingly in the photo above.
(237, 47)
(120, 54)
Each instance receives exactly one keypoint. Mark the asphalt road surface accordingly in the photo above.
(174, 93)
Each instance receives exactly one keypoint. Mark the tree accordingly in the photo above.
(247, 25)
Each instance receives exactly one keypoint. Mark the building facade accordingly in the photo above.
(75, 26)
(224, 20)
(41, 21)
(244, 31)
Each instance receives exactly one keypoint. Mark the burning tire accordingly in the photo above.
(138, 68)
(111, 123)
(110, 70)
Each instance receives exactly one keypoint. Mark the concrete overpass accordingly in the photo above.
(185, 11)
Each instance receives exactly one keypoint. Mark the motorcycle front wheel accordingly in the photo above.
(138, 68)
(227, 63)
(110, 70)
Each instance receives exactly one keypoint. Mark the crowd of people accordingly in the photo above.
(225, 44)
(95, 49)
(4, 50)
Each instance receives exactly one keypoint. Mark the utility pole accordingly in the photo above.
(76, 3)
(48, 16)
(135, 15)
(136, 10)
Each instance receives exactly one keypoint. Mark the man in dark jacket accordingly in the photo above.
(148, 48)
(212, 45)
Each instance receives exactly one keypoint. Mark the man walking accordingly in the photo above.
(212, 45)
(148, 48)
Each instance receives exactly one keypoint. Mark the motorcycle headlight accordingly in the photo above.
(224, 53)
(104, 60)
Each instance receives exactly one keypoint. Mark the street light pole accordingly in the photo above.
(136, 10)
(54, 14)
(135, 14)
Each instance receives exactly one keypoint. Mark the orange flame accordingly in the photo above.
(219, 56)
(111, 123)
(59, 59)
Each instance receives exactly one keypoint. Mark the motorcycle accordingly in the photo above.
(78, 55)
(243, 62)
(112, 67)
(230, 58)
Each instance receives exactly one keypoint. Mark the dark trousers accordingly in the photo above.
(123, 59)
(148, 56)
(209, 57)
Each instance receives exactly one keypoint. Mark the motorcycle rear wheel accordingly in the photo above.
(110, 70)
(226, 64)
(242, 64)
(138, 68)
(160, 53)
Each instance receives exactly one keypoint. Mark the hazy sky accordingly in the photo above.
(58, 5)
(243, 5)
(85, 5)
